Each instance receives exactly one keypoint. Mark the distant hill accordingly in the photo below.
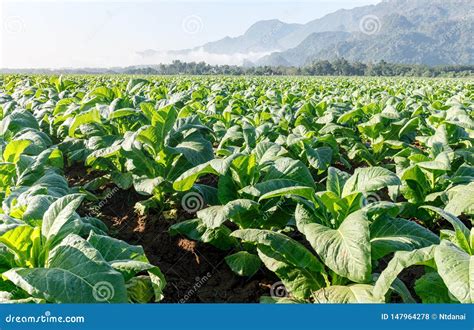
(429, 32)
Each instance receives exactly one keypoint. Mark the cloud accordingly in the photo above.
(198, 55)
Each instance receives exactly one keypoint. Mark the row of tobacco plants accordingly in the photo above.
(335, 185)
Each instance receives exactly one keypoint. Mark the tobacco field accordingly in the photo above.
(126, 189)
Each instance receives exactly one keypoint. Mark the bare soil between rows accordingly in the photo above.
(195, 272)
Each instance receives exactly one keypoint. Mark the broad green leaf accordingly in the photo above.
(59, 219)
(215, 216)
(461, 200)
(389, 235)
(197, 150)
(299, 282)
(243, 263)
(290, 169)
(91, 116)
(335, 180)
(75, 272)
(432, 290)
(345, 250)
(196, 230)
(19, 240)
(351, 294)
(14, 149)
(400, 261)
(319, 158)
(370, 179)
(456, 268)
(306, 192)
(216, 166)
(288, 249)
(462, 233)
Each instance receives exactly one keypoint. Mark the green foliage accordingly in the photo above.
(321, 181)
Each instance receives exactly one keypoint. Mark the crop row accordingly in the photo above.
(334, 185)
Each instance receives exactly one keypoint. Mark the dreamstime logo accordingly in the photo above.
(370, 24)
(192, 24)
(14, 24)
(371, 198)
(278, 290)
(192, 202)
(95, 210)
(103, 291)
(200, 281)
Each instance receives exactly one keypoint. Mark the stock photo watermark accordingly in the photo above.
(192, 202)
(95, 210)
(103, 291)
(47, 317)
(192, 24)
(370, 25)
(200, 281)
(278, 290)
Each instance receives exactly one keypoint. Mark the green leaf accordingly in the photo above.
(215, 216)
(319, 158)
(14, 149)
(456, 268)
(335, 180)
(196, 230)
(113, 249)
(306, 192)
(196, 150)
(75, 272)
(146, 186)
(243, 263)
(130, 260)
(432, 290)
(370, 179)
(19, 240)
(400, 261)
(461, 231)
(299, 270)
(345, 250)
(91, 116)
(351, 294)
(59, 219)
(289, 250)
(216, 166)
(461, 200)
(389, 235)
(290, 169)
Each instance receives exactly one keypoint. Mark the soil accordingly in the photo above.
(195, 272)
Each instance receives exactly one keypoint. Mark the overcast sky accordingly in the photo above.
(103, 33)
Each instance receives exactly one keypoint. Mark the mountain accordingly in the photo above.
(402, 31)
(260, 37)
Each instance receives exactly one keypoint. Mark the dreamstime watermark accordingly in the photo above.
(192, 202)
(45, 318)
(278, 290)
(103, 291)
(192, 24)
(95, 210)
(370, 198)
(370, 25)
(200, 281)
(277, 206)
(13, 24)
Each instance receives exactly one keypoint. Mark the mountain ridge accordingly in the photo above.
(432, 32)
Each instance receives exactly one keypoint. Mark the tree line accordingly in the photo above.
(338, 67)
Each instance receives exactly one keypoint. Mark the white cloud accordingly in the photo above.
(200, 55)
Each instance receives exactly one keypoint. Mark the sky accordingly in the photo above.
(107, 33)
